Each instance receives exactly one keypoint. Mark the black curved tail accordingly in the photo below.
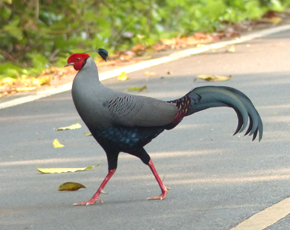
(218, 96)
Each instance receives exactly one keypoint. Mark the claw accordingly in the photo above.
(99, 191)
(162, 195)
(89, 202)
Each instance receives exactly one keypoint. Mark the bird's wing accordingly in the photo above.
(131, 110)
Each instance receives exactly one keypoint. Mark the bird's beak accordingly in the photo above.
(68, 64)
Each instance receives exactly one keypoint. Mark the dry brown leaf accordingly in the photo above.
(207, 77)
(138, 47)
(275, 20)
(168, 42)
(70, 186)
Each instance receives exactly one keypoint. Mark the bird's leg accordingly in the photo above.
(163, 188)
(96, 195)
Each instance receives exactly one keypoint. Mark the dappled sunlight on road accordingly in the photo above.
(280, 106)
(183, 153)
(103, 156)
(190, 126)
(40, 117)
(196, 177)
(49, 161)
(277, 118)
(227, 179)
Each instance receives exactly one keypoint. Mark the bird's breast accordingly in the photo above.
(126, 138)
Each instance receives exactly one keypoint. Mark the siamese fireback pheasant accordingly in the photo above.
(122, 122)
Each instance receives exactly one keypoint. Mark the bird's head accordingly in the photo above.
(78, 60)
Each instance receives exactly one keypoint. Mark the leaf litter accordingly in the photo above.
(9, 86)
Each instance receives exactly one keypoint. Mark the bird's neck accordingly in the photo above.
(89, 73)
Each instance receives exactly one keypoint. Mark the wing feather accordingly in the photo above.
(131, 110)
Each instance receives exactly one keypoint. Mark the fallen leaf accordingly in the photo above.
(232, 49)
(207, 77)
(168, 42)
(8, 80)
(63, 170)
(138, 47)
(56, 144)
(70, 186)
(41, 81)
(275, 20)
(139, 89)
(88, 134)
(71, 127)
(150, 74)
(23, 89)
(123, 77)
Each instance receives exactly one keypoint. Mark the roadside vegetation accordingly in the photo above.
(39, 35)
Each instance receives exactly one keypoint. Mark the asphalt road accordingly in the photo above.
(217, 180)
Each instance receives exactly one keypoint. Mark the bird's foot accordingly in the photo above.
(161, 196)
(89, 202)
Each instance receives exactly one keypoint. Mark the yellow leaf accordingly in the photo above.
(63, 170)
(23, 89)
(232, 49)
(56, 144)
(123, 77)
(150, 74)
(275, 20)
(137, 88)
(41, 81)
(88, 134)
(74, 126)
(207, 77)
(70, 186)
(8, 80)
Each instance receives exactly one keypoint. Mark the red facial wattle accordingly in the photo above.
(77, 60)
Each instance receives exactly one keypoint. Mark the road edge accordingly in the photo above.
(149, 63)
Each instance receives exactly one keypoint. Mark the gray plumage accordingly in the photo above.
(101, 106)
(126, 123)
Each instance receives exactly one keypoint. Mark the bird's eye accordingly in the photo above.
(78, 59)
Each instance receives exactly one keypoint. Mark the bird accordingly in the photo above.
(122, 122)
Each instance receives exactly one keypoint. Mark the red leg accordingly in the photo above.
(163, 188)
(102, 186)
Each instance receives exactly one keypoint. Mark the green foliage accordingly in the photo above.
(36, 34)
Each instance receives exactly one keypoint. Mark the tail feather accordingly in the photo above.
(220, 96)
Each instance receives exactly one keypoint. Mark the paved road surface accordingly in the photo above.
(217, 181)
